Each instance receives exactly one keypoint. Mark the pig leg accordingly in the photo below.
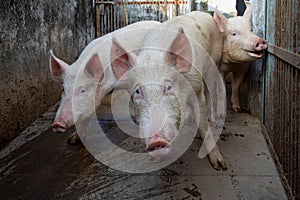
(74, 138)
(81, 128)
(237, 78)
(215, 157)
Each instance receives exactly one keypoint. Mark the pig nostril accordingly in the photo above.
(156, 146)
(59, 127)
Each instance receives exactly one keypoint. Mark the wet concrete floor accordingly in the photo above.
(44, 166)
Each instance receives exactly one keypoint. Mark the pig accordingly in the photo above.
(96, 74)
(184, 46)
(241, 46)
(217, 37)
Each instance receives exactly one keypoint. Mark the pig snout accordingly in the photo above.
(259, 46)
(158, 146)
(59, 126)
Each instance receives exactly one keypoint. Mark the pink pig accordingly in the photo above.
(241, 46)
(95, 72)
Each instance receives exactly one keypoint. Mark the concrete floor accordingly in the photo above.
(44, 166)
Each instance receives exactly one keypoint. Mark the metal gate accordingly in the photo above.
(112, 15)
(281, 115)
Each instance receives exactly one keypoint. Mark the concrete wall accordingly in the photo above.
(256, 84)
(28, 30)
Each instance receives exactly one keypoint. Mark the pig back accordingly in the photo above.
(130, 37)
(202, 28)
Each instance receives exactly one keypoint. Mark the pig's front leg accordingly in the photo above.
(81, 127)
(74, 138)
(215, 156)
(238, 74)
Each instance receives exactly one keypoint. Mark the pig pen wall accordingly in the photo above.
(274, 93)
(28, 30)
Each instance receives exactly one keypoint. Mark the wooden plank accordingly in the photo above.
(287, 56)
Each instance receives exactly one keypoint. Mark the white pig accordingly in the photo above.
(96, 72)
(160, 98)
(241, 46)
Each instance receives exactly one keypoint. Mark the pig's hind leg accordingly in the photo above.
(238, 75)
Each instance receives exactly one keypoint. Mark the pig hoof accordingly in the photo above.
(217, 160)
(236, 109)
(74, 139)
(223, 165)
(219, 164)
(215, 165)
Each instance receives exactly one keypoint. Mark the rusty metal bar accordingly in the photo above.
(142, 2)
(104, 2)
(98, 34)
(287, 56)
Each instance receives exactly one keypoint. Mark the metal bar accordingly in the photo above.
(104, 2)
(143, 2)
(285, 55)
(124, 2)
(98, 34)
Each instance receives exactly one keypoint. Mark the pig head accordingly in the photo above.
(91, 77)
(155, 89)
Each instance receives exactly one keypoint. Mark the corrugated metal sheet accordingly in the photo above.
(282, 88)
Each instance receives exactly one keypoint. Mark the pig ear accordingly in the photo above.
(180, 52)
(248, 11)
(221, 21)
(120, 60)
(57, 66)
(94, 67)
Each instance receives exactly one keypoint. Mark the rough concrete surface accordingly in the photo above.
(49, 168)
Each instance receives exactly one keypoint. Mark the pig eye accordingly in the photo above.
(168, 87)
(82, 91)
(138, 92)
(234, 33)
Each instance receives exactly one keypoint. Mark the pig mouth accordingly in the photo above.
(59, 127)
(158, 148)
(255, 54)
